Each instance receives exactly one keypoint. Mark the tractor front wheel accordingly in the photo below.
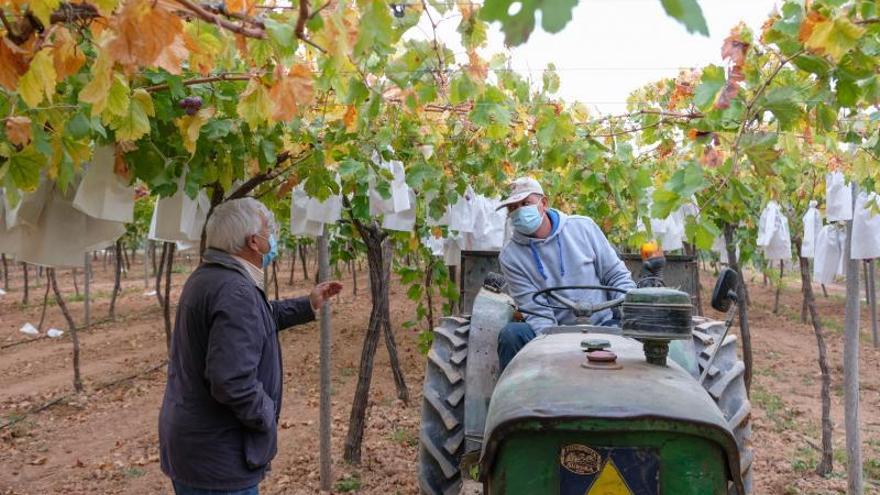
(441, 437)
(725, 383)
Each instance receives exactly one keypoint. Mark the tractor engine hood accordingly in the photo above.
(547, 384)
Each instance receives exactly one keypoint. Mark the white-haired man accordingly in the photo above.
(552, 249)
(219, 417)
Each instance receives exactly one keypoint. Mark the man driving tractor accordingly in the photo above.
(552, 249)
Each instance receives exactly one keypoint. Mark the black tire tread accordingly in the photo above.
(725, 383)
(441, 434)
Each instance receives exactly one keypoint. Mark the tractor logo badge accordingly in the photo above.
(580, 459)
(609, 470)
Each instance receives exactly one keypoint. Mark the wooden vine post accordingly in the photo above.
(742, 308)
(326, 413)
(146, 268)
(166, 309)
(25, 295)
(87, 287)
(379, 263)
(851, 368)
(77, 378)
(872, 304)
(826, 464)
(5, 272)
(117, 278)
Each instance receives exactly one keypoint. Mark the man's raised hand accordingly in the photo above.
(322, 292)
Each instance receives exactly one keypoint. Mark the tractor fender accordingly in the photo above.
(547, 384)
(491, 311)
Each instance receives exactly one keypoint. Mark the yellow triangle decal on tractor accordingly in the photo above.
(609, 482)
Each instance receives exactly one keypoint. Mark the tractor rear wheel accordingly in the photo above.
(441, 437)
(726, 384)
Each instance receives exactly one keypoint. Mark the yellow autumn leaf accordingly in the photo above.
(38, 82)
(350, 118)
(190, 125)
(78, 151)
(204, 47)
(62, 146)
(117, 101)
(105, 7)
(339, 33)
(43, 9)
(291, 93)
(254, 106)
(834, 37)
(68, 57)
(136, 122)
(18, 130)
(97, 90)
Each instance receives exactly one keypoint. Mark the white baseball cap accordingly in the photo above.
(521, 189)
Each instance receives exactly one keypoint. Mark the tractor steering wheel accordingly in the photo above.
(580, 309)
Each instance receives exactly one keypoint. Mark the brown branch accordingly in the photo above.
(220, 9)
(662, 113)
(220, 21)
(313, 44)
(66, 13)
(302, 18)
(266, 176)
(203, 80)
(626, 131)
(322, 7)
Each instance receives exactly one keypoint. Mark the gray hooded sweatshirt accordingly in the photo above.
(575, 253)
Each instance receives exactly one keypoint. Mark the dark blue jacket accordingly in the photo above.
(219, 417)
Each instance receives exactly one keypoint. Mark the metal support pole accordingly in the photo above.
(326, 414)
(146, 271)
(872, 306)
(851, 369)
(87, 269)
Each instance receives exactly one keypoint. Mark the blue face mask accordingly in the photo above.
(527, 219)
(273, 251)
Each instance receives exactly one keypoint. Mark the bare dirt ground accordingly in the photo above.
(105, 440)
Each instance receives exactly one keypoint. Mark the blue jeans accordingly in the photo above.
(181, 489)
(513, 337)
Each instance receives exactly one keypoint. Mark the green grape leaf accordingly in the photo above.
(711, 83)
(785, 104)
(462, 89)
(517, 26)
(759, 147)
(703, 232)
(282, 37)
(687, 12)
(136, 121)
(24, 168)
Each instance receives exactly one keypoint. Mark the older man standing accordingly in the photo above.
(219, 417)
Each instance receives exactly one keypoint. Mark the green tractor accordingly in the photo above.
(657, 406)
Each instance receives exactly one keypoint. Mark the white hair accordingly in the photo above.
(233, 221)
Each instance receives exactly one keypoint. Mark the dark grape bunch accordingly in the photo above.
(191, 104)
